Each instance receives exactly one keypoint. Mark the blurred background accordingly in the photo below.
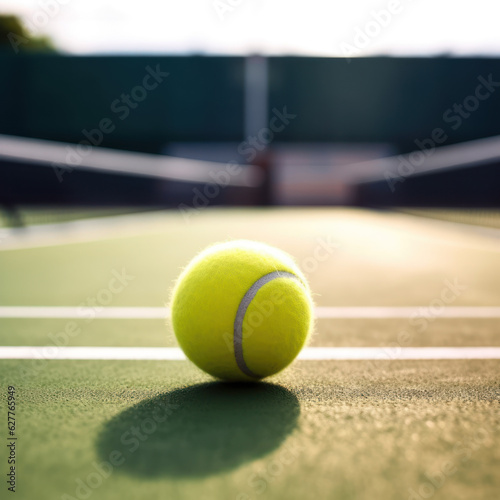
(114, 106)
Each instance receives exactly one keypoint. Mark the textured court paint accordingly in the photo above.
(356, 427)
(240, 316)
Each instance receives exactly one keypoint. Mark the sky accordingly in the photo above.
(347, 28)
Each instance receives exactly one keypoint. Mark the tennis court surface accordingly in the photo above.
(134, 136)
(396, 396)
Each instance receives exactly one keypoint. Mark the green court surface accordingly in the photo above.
(383, 429)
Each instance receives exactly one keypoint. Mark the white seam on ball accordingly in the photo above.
(240, 316)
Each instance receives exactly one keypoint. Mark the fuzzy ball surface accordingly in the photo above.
(242, 310)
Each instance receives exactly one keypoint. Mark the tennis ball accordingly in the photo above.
(242, 310)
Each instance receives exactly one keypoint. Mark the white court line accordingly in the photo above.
(82, 230)
(83, 312)
(309, 353)
(320, 312)
(407, 312)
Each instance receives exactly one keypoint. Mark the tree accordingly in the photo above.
(13, 36)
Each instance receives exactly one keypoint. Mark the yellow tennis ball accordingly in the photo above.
(242, 310)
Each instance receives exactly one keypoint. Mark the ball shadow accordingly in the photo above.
(200, 430)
